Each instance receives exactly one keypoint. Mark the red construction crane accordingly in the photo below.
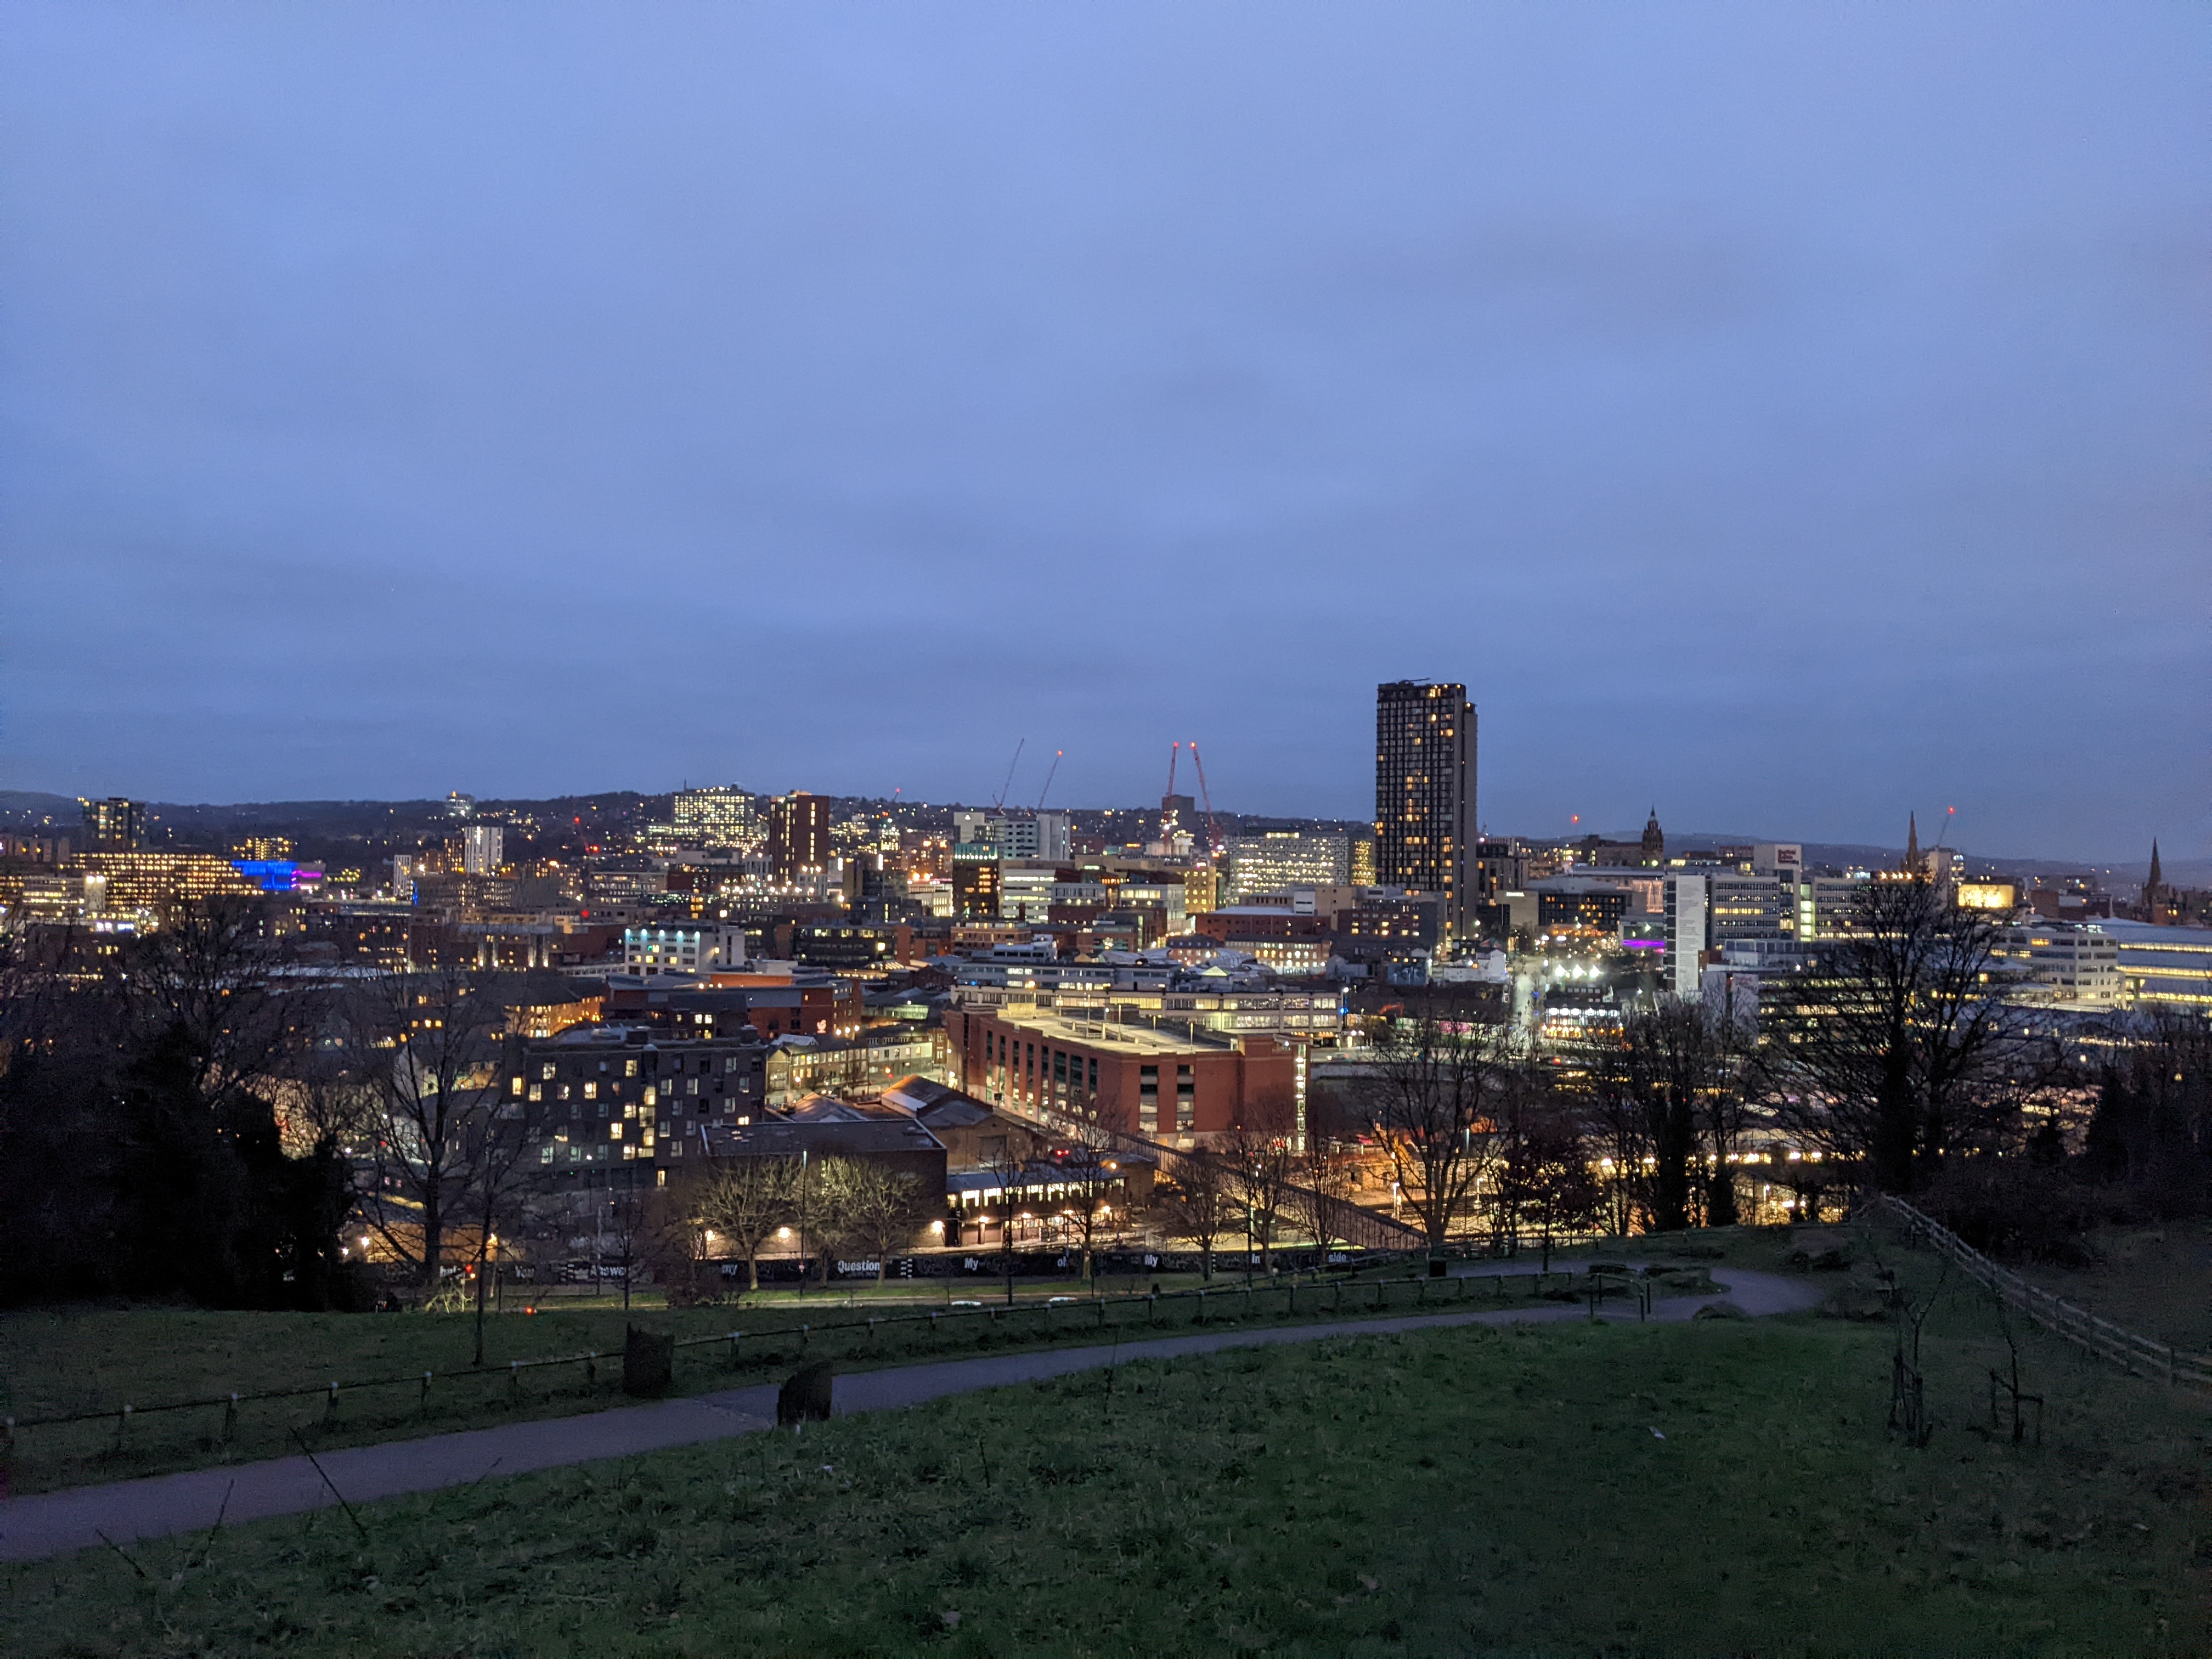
(1212, 831)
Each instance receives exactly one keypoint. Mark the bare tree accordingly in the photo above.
(1899, 1049)
(1321, 1190)
(448, 1140)
(1006, 1163)
(1724, 1115)
(1086, 1171)
(1908, 1395)
(879, 1208)
(630, 1222)
(675, 1240)
(1261, 1152)
(1427, 1101)
(1619, 1118)
(1195, 1205)
(2151, 1130)
(323, 1092)
(746, 1200)
(1670, 1091)
(206, 976)
(815, 1215)
(1543, 1178)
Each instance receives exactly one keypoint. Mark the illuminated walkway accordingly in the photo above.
(53, 1523)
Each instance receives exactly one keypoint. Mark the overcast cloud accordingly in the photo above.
(1789, 416)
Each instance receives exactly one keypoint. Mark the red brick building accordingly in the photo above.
(1256, 923)
(1136, 1079)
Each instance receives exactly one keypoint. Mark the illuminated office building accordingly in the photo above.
(1363, 862)
(1688, 902)
(1424, 793)
(683, 947)
(114, 826)
(2163, 964)
(797, 835)
(975, 885)
(1045, 835)
(483, 848)
(145, 884)
(2057, 962)
(1280, 859)
(715, 818)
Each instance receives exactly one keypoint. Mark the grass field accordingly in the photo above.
(2155, 1280)
(1719, 1486)
(98, 1359)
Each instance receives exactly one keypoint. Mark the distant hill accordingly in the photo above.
(28, 808)
(34, 806)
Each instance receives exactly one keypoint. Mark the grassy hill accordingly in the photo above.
(1719, 1486)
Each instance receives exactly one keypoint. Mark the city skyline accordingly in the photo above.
(62, 812)
(837, 403)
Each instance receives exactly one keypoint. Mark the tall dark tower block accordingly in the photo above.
(1424, 794)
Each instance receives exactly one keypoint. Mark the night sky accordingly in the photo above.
(1786, 415)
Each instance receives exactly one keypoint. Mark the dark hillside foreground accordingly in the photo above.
(2155, 1279)
(1720, 1486)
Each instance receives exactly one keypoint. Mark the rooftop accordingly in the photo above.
(1097, 1034)
(784, 1139)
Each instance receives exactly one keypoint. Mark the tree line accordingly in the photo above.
(1899, 1062)
(141, 1148)
(828, 1204)
(195, 1120)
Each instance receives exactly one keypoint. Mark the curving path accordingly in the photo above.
(53, 1523)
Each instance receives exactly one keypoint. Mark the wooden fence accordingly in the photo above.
(2100, 1337)
(1310, 1292)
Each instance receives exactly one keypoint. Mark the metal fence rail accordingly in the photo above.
(1326, 1293)
(2128, 1349)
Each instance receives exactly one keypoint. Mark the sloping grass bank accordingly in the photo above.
(1718, 1486)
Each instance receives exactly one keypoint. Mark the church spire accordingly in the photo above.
(1655, 839)
(1913, 843)
(2150, 892)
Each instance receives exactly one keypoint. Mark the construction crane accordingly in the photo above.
(999, 802)
(1212, 831)
(1051, 772)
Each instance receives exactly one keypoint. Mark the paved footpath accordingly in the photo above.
(53, 1523)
